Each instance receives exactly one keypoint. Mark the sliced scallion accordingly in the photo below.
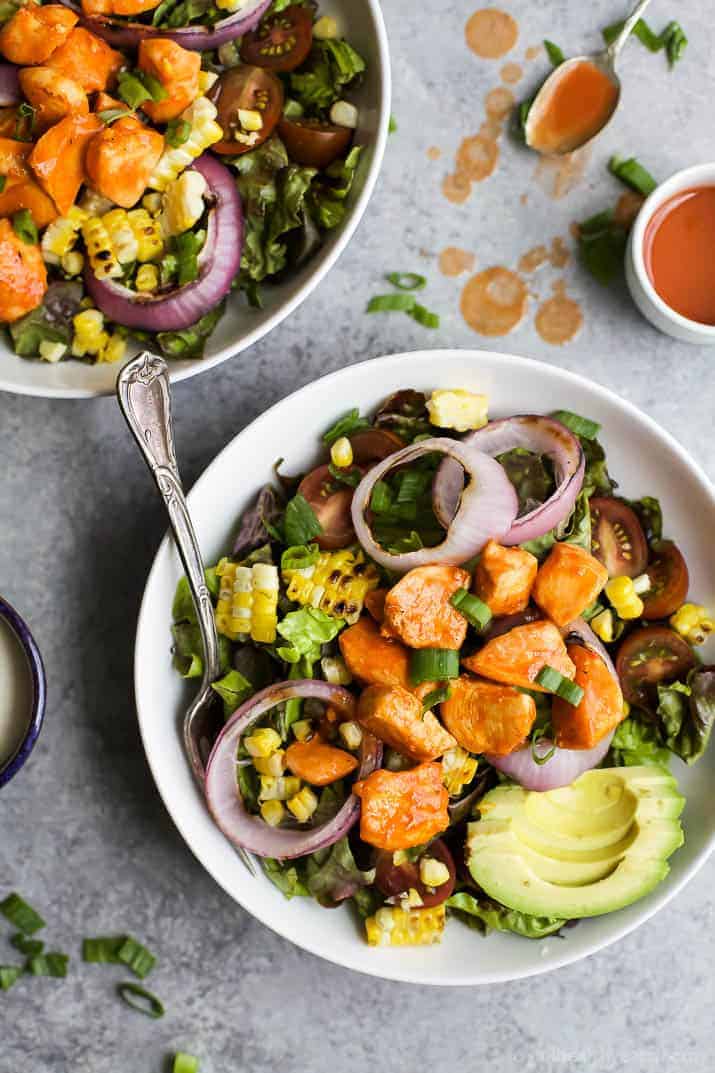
(9, 975)
(349, 475)
(436, 696)
(52, 964)
(433, 665)
(580, 426)
(141, 1000)
(633, 174)
(103, 950)
(185, 1063)
(136, 957)
(538, 736)
(554, 682)
(381, 499)
(345, 426)
(474, 610)
(407, 281)
(391, 303)
(29, 947)
(424, 316)
(23, 916)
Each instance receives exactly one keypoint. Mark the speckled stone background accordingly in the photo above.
(82, 830)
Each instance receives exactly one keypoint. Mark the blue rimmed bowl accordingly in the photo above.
(38, 691)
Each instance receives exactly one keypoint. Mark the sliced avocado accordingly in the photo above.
(581, 850)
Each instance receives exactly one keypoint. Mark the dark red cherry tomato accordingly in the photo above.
(282, 41)
(312, 143)
(648, 656)
(395, 879)
(617, 537)
(252, 89)
(331, 503)
(669, 581)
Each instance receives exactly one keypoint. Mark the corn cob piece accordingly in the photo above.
(247, 601)
(336, 584)
(100, 249)
(201, 116)
(61, 235)
(393, 926)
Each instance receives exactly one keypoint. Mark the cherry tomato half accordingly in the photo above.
(393, 879)
(374, 444)
(252, 89)
(331, 503)
(669, 581)
(312, 143)
(281, 42)
(648, 656)
(617, 537)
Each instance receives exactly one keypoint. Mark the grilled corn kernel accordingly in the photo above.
(272, 812)
(100, 249)
(114, 349)
(336, 584)
(642, 584)
(693, 623)
(152, 203)
(302, 729)
(201, 117)
(146, 230)
(183, 203)
(262, 742)
(335, 670)
(458, 769)
(411, 899)
(602, 625)
(73, 263)
(351, 733)
(270, 765)
(52, 351)
(625, 600)
(400, 857)
(325, 29)
(433, 873)
(458, 409)
(147, 278)
(341, 453)
(247, 601)
(121, 235)
(60, 237)
(405, 927)
(89, 335)
(250, 119)
(206, 80)
(344, 114)
(303, 804)
(278, 787)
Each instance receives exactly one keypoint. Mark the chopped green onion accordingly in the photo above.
(391, 303)
(392, 125)
(157, 91)
(185, 1063)
(424, 316)
(300, 557)
(23, 916)
(9, 975)
(111, 115)
(433, 665)
(29, 947)
(537, 735)
(413, 484)
(136, 957)
(141, 1000)
(132, 90)
(300, 521)
(349, 475)
(474, 610)
(103, 950)
(53, 964)
(3, 182)
(407, 281)
(345, 426)
(177, 132)
(554, 682)
(633, 174)
(436, 696)
(580, 426)
(554, 53)
(187, 248)
(24, 226)
(381, 499)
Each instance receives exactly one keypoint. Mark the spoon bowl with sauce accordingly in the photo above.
(23, 691)
(579, 98)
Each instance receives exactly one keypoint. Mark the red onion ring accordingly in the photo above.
(486, 510)
(566, 764)
(534, 432)
(197, 38)
(218, 264)
(9, 85)
(223, 795)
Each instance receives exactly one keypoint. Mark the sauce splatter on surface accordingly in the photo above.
(499, 102)
(558, 175)
(456, 187)
(434, 152)
(453, 261)
(557, 255)
(559, 318)
(627, 208)
(477, 157)
(491, 33)
(494, 301)
(511, 73)
(532, 52)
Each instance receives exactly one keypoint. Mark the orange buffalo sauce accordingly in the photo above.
(582, 101)
(678, 253)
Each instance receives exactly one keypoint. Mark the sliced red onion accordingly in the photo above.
(218, 264)
(566, 764)
(9, 85)
(486, 510)
(533, 432)
(223, 795)
(121, 34)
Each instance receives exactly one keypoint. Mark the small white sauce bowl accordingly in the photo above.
(642, 290)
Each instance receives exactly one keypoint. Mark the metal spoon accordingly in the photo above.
(145, 401)
(605, 61)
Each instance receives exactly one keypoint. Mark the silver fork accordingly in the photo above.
(145, 401)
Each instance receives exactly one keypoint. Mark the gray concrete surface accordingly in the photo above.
(82, 831)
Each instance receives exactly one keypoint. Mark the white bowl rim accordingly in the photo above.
(663, 894)
(285, 309)
(695, 175)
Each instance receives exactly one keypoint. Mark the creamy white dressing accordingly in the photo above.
(15, 693)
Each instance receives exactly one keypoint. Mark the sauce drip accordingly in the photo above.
(491, 33)
(453, 261)
(494, 301)
(15, 693)
(434, 152)
(678, 252)
(582, 100)
(511, 73)
(559, 318)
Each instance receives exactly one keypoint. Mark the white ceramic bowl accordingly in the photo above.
(362, 24)
(642, 290)
(644, 459)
